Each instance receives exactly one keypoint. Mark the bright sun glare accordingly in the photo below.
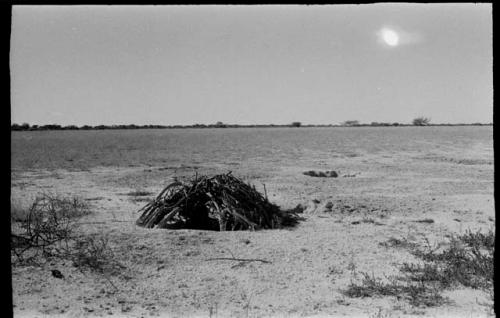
(390, 37)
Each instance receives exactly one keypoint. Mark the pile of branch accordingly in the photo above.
(321, 174)
(222, 202)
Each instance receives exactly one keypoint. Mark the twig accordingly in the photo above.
(239, 259)
(109, 280)
(230, 252)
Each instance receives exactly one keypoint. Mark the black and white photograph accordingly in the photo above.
(252, 160)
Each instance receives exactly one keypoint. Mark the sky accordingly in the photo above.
(77, 65)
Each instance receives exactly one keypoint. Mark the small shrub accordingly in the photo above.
(480, 240)
(423, 296)
(93, 252)
(370, 286)
(468, 260)
(418, 295)
(49, 231)
(52, 219)
(426, 273)
(50, 222)
(421, 121)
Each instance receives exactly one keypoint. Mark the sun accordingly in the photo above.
(390, 37)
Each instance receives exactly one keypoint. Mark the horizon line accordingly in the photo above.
(54, 126)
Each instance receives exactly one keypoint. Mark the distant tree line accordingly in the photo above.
(421, 121)
(26, 126)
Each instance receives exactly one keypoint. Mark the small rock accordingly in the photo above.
(328, 206)
(332, 174)
(57, 274)
(126, 309)
(192, 253)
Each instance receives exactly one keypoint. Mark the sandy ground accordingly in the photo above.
(167, 272)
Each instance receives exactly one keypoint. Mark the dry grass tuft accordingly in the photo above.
(93, 252)
(417, 295)
(468, 261)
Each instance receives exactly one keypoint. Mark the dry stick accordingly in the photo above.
(250, 223)
(239, 259)
(155, 213)
(166, 188)
(147, 212)
(167, 218)
(104, 222)
(109, 280)
(220, 214)
(160, 215)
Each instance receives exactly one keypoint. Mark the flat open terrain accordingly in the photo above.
(390, 178)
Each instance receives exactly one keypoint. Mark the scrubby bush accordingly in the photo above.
(49, 222)
(93, 252)
(421, 121)
(52, 219)
(467, 261)
(417, 295)
(49, 229)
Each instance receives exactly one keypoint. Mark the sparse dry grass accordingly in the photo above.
(398, 243)
(468, 261)
(93, 252)
(49, 229)
(418, 295)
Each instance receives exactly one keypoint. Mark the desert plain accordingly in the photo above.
(414, 184)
